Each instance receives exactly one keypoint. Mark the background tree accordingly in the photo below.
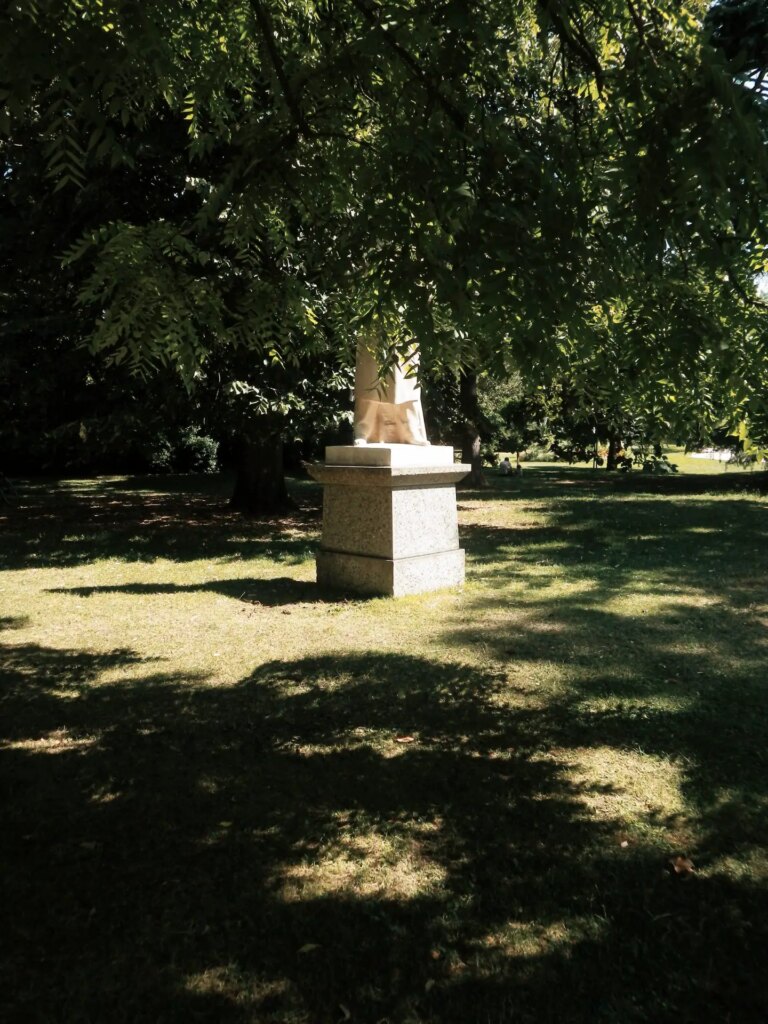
(517, 414)
(259, 408)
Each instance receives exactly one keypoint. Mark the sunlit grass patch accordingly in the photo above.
(749, 866)
(639, 793)
(363, 865)
(528, 939)
(59, 741)
(228, 985)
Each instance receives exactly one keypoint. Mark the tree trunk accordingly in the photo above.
(614, 447)
(470, 432)
(260, 484)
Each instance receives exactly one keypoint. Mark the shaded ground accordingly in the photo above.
(66, 523)
(228, 797)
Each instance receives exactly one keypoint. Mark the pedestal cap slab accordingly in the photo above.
(389, 455)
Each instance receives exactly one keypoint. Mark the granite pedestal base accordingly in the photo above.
(389, 519)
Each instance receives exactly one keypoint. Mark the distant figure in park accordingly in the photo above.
(505, 466)
(387, 411)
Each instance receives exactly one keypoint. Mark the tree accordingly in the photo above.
(517, 413)
(63, 406)
(497, 183)
(261, 406)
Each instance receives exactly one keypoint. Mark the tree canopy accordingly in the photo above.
(537, 183)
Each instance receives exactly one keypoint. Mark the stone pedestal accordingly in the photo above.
(389, 519)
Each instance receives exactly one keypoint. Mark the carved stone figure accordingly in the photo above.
(388, 411)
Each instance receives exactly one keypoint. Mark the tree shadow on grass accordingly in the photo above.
(693, 571)
(651, 615)
(560, 480)
(13, 622)
(373, 838)
(79, 522)
(282, 590)
(617, 543)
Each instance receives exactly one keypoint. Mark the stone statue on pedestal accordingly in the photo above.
(389, 500)
(387, 411)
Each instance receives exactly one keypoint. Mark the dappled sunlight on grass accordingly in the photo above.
(58, 741)
(268, 802)
(73, 523)
(748, 865)
(367, 865)
(637, 791)
(522, 939)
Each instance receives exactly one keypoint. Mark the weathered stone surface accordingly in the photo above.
(390, 522)
(390, 529)
(424, 521)
(387, 409)
(396, 577)
(358, 520)
(389, 455)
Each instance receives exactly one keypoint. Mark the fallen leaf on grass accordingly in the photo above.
(405, 739)
(683, 866)
(309, 946)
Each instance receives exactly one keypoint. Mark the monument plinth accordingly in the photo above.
(389, 519)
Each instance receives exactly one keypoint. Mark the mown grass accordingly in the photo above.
(228, 796)
(683, 461)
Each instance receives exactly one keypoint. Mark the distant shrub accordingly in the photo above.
(195, 452)
(570, 450)
(186, 450)
(538, 453)
(742, 459)
(659, 464)
(125, 443)
(159, 454)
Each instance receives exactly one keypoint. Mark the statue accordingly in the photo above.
(388, 411)
(389, 500)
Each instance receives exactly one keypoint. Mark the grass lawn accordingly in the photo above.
(677, 455)
(230, 797)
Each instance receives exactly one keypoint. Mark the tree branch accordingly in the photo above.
(574, 38)
(371, 15)
(267, 32)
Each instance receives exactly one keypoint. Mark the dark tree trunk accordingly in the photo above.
(614, 447)
(260, 484)
(470, 429)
